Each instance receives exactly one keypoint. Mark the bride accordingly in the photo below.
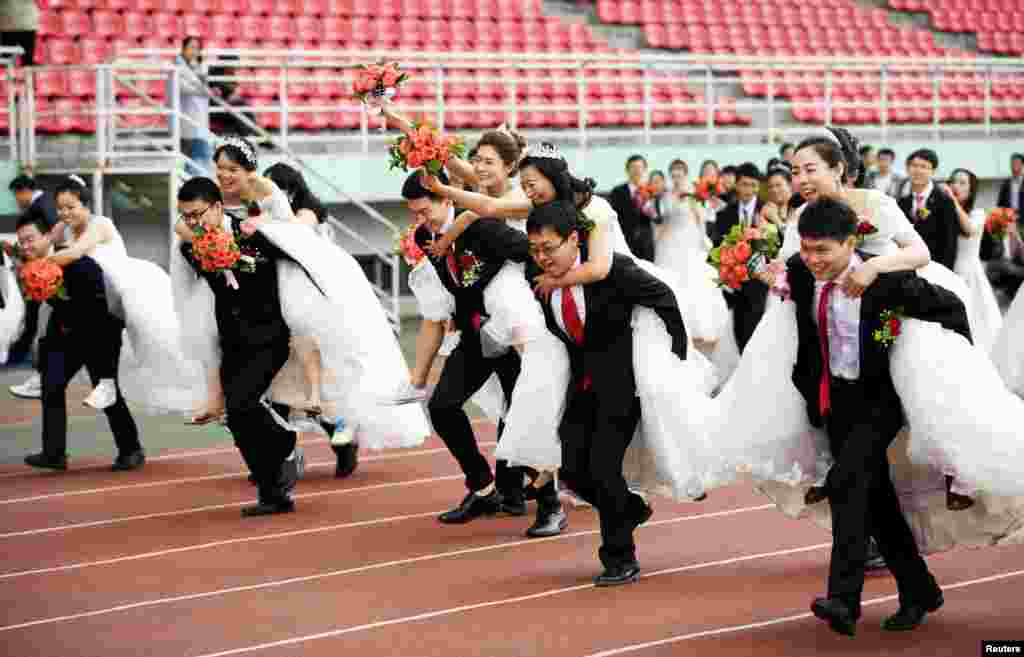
(152, 371)
(763, 428)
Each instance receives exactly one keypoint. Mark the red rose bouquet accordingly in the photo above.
(999, 221)
(216, 250)
(424, 147)
(377, 84)
(708, 187)
(865, 229)
(42, 280)
(406, 246)
(744, 252)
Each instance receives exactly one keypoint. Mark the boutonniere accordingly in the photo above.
(470, 266)
(922, 213)
(865, 229)
(891, 326)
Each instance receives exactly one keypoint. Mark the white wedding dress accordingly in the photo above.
(12, 315)
(947, 387)
(986, 319)
(153, 371)
(1008, 349)
(683, 250)
(325, 297)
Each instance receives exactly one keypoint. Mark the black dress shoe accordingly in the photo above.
(837, 613)
(472, 506)
(269, 508)
(43, 460)
(348, 459)
(132, 461)
(549, 523)
(619, 575)
(814, 495)
(910, 616)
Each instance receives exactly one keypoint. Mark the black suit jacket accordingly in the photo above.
(606, 354)
(940, 229)
(1004, 195)
(491, 242)
(904, 292)
(637, 227)
(726, 219)
(84, 314)
(251, 315)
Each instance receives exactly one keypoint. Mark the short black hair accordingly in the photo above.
(828, 219)
(678, 163)
(636, 158)
(656, 172)
(865, 149)
(887, 151)
(413, 189)
(780, 171)
(748, 170)
(926, 154)
(1017, 156)
(559, 216)
(33, 219)
(200, 189)
(786, 145)
(23, 184)
(74, 185)
(727, 169)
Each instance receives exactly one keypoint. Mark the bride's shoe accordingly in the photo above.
(103, 396)
(212, 413)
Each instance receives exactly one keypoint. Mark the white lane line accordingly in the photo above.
(288, 534)
(495, 603)
(784, 619)
(226, 475)
(376, 566)
(213, 507)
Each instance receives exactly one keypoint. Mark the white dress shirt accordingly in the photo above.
(1014, 193)
(578, 297)
(924, 197)
(746, 212)
(882, 183)
(843, 326)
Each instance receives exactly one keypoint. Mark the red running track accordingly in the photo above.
(159, 563)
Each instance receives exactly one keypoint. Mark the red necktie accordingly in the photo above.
(571, 316)
(453, 268)
(824, 401)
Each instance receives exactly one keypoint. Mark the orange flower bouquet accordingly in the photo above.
(216, 250)
(999, 221)
(377, 84)
(424, 147)
(406, 246)
(744, 252)
(707, 188)
(41, 280)
(647, 192)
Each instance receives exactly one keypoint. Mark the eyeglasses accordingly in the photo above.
(548, 250)
(194, 217)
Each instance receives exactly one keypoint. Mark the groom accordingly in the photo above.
(842, 370)
(602, 409)
(81, 331)
(476, 257)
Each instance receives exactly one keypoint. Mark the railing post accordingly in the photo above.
(514, 120)
(936, 100)
(12, 111)
(770, 88)
(828, 94)
(646, 68)
(883, 88)
(988, 100)
(709, 102)
(441, 108)
(284, 102)
(176, 120)
(97, 191)
(30, 97)
(581, 102)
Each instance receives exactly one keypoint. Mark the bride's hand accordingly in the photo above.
(440, 246)
(765, 276)
(249, 226)
(545, 284)
(256, 187)
(859, 280)
(431, 182)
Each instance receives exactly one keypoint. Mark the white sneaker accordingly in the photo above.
(345, 436)
(102, 396)
(31, 389)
